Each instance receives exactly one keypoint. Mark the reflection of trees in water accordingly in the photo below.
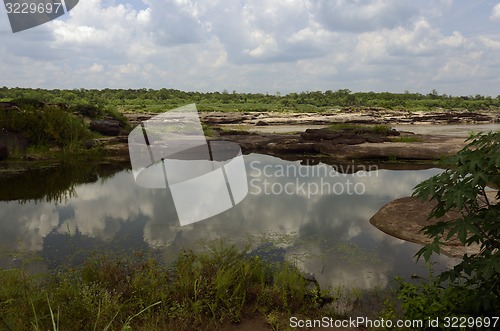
(55, 184)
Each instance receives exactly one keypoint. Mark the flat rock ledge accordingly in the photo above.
(347, 148)
(360, 115)
(405, 217)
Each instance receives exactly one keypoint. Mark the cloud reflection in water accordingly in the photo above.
(328, 235)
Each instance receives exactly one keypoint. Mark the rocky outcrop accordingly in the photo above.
(346, 145)
(107, 127)
(359, 143)
(404, 218)
(9, 106)
(348, 136)
(359, 115)
(395, 150)
(11, 141)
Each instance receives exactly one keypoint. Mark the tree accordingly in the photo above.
(464, 187)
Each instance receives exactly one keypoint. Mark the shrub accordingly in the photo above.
(464, 188)
(88, 110)
(45, 125)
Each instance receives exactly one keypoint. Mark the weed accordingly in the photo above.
(207, 130)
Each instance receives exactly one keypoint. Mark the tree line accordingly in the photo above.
(147, 99)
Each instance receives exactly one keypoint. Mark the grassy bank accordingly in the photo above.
(200, 290)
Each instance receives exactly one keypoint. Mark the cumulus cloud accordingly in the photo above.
(495, 12)
(26, 225)
(99, 211)
(254, 46)
(359, 16)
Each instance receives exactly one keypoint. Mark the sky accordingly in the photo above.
(264, 46)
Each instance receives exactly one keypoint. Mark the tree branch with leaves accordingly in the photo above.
(470, 187)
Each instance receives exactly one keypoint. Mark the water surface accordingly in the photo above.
(314, 216)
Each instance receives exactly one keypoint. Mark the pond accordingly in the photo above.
(316, 216)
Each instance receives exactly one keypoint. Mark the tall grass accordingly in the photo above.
(47, 125)
(200, 291)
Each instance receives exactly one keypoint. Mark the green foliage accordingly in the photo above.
(88, 110)
(463, 188)
(360, 128)
(200, 291)
(149, 100)
(345, 126)
(208, 131)
(428, 299)
(47, 125)
(407, 139)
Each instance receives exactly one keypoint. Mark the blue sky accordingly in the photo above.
(271, 46)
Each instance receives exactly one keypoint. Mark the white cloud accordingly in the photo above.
(455, 40)
(365, 15)
(490, 42)
(96, 68)
(263, 46)
(461, 67)
(495, 12)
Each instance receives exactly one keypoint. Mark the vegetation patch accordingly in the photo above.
(199, 291)
(36, 130)
(408, 139)
(380, 129)
(44, 126)
(471, 290)
(156, 101)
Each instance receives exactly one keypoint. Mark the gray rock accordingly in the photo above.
(404, 218)
(106, 127)
(13, 141)
(90, 143)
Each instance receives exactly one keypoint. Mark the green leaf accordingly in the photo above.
(462, 233)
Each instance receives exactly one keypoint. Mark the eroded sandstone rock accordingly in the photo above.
(404, 218)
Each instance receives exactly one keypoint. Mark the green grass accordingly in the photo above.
(208, 131)
(376, 129)
(407, 139)
(51, 132)
(345, 126)
(199, 291)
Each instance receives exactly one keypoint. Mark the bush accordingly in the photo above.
(200, 291)
(88, 110)
(464, 187)
(47, 125)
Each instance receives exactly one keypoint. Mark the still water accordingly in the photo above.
(315, 216)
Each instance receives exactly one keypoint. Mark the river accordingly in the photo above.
(316, 216)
